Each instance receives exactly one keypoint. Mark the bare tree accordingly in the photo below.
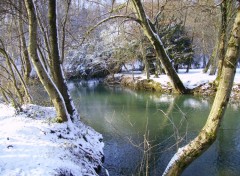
(208, 134)
(55, 62)
(51, 88)
(26, 61)
(150, 31)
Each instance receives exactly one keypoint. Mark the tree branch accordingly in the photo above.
(108, 19)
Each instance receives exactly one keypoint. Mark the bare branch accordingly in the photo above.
(108, 19)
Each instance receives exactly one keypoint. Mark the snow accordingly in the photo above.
(31, 143)
(190, 80)
(135, 65)
(193, 79)
(174, 158)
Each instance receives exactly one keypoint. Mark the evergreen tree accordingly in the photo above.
(178, 44)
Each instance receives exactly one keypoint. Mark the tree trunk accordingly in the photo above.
(143, 53)
(204, 50)
(213, 68)
(205, 70)
(158, 68)
(149, 31)
(15, 85)
(4, 95)
(55, 64)
(11, 63)
(208, 134)
(9, 97)
(64, 30)
(53, 92)
(27, 64)
(223, 37)
(146, 68)
(212, 59)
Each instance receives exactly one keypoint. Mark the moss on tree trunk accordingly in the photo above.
(208, 134)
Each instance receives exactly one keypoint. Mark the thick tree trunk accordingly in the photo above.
(149, 31)
(55, 63)
(223, 38)
(53, 92)
(208, 134)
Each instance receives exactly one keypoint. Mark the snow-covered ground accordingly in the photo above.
(194, 78)
(32, 144)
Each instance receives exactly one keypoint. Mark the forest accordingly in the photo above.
(45, 45)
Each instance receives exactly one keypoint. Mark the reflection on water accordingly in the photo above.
(125, 117)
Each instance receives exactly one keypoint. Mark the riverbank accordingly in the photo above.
(200, 83)
(31, 143)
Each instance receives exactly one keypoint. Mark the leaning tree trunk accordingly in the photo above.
(149, 31)
(55, 64)
(208, 134)
(53, 92)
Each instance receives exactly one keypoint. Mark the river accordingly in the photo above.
(145, 129)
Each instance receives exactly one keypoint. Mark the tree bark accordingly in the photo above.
(55, 63)
(186, 155)
(53, 92)
(27, 64)
(64, 24)
(223, 38)
(213, 68)
(212, 58)
(149, 31)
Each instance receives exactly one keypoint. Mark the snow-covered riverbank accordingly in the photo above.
(32, 144)
(193, 79)
(198, 82)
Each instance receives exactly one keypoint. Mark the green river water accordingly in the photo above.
(125, 118)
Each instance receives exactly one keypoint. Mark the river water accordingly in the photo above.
(143, 130)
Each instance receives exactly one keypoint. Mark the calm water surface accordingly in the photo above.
(166, 122)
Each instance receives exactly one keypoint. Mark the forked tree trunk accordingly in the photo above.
(208, 134)
(53, 92)
(149, 31)
(55, 63)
